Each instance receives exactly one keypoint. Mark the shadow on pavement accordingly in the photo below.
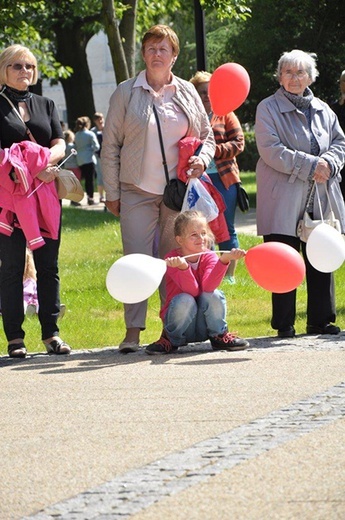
(81, 361)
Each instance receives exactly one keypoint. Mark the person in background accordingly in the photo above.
(300, 142)
(98, 120)
(339, 108)
(86, 144)
(223, 169)
(30, 286)
(195, 309)
(26, 117)
(31, 304)
(71, 162)
(132, 165)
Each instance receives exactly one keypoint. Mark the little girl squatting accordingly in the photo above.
(195, 309)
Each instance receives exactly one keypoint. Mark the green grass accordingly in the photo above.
(91, 242)
(249, 182)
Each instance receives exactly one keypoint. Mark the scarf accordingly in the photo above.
(16, 96)
(301, 102)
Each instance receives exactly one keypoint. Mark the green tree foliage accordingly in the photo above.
(227, 9)
(58, 33)
(277, 26)
(21, 22)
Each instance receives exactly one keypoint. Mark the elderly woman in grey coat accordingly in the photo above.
(299, 141)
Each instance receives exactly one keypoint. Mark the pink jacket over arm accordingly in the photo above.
(39, 215)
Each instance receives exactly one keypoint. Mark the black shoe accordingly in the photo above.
(16, 350)
(287, 333)
(326, 329)
(228, 341)
(162, 346)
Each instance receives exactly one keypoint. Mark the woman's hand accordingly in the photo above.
(177, 261)
(322, 171)
(196, 167)
(234, 254)
(49, 174)
(113, 206)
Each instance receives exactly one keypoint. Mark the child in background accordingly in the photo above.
(195, 309)
(71, 163)
(98, 119)
(30, 288)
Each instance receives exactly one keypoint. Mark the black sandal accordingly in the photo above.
(16, 350)
(57, 346)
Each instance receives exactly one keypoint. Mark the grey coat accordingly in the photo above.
(283, 141)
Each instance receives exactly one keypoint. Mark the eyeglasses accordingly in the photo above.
(20, 66)
(299, 74)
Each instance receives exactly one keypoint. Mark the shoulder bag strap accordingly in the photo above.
(319, 201)
(28, 131)
(161, 144)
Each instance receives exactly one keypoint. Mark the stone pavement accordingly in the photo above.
(256, 434)
(199, 435)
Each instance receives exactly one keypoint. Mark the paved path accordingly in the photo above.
(257, 434)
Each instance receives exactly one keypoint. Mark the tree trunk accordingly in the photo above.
(111, 25)
(71, 51)
(128, 34)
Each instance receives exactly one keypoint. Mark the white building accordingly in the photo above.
(102, 73)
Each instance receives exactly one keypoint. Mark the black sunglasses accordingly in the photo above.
(20, 66)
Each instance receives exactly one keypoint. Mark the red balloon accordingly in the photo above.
(229, 87)
(276, 267)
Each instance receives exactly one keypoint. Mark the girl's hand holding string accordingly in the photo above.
(234, 254)
(177, 261)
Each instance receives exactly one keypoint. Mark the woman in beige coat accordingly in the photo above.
(132, 165)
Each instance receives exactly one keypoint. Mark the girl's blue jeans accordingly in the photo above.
(190, 319)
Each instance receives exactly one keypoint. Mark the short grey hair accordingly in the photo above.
(298, 58)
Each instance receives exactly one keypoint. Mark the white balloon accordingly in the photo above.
(325, 248)
(135, 277)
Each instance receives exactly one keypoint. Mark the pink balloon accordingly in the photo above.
(276, 267)
(229, 88)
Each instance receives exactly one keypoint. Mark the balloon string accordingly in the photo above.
(57, 167)
(204, 253)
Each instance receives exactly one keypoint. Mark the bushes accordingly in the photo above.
(248, 158)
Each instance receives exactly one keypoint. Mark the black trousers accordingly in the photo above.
(88, 172)
(320, 293)
(12, 255)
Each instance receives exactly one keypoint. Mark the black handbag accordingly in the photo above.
(242, 198)
(175, 189)
(174, 193)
